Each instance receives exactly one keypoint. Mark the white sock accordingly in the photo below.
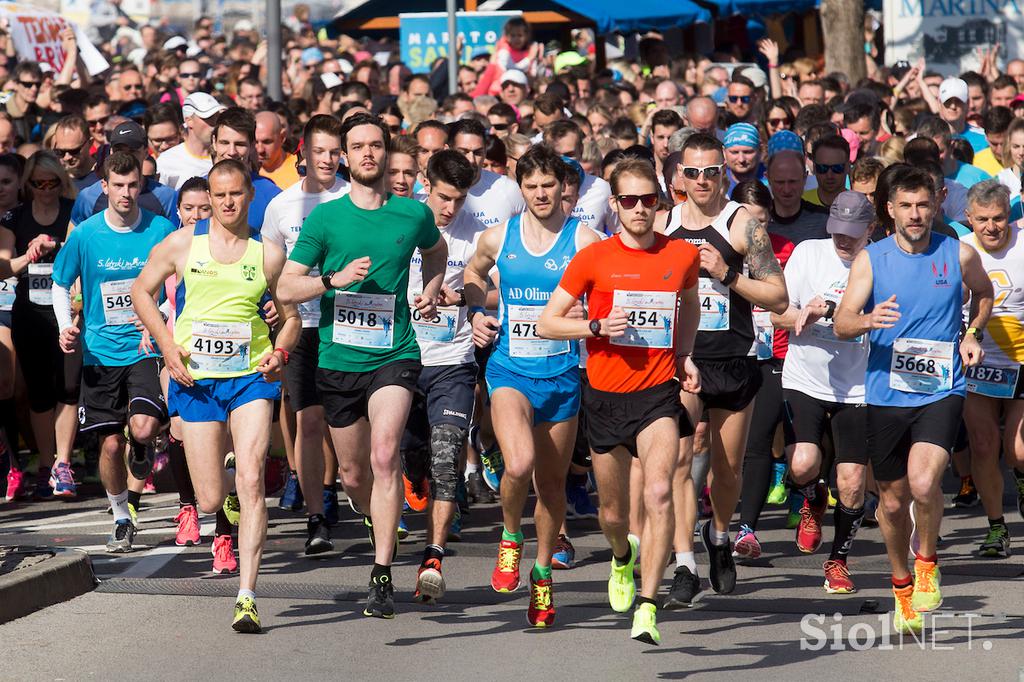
(471, 468)
(719, 538)
(246, 593)
(686, 559)
(119, 504)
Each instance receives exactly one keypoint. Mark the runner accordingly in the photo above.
(823, 384)
(911, 284)
(282, 225)
(994, 390)
(641, 290)
(369, 360)
(533, 382)
(223, 368)
(121, 374)
(731, 242)
(494, 199)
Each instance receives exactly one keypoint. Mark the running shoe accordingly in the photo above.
(621, 583)
(247, 619)
(478, 491)
(870, 510)
(1019, 480)
(492, 466)
(291, 499)
(564, 556)
(62, 480)
(331, 507)
(455, 527)
(403, 529)
(778, 492)
(140, 461)
(927, 588)
(997, 542)
(684, 590)
(704, 508)
(373, 543)
(120, 540)
(380, 602)
(133, 514)
(318, 535)
(831, 498)
(224, 560)
(746, 546)
(968, 495)
(808, 531)
(429, 582)
(161, 460)
(229, 461)
(232, 508)
(905, 619)
(188, 526)
(505, 577)
(541, 612)
(837, 577)
(43, 489)
(150, 487)
(15, 484)
(722, 569)
(578, 504)
(796, 502)
(645, 624)
(415, 494)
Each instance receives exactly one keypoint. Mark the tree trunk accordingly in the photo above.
(842, 25)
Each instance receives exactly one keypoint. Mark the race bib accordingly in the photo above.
(523, 341)
(364, 320)
(309, 311)
(220, 347)
(8, 288)
(117, 301)
(764, 333)
(921, 366)
(40, 283)
(994, 382)
(442, 328)
(714, 305)
(651, 316)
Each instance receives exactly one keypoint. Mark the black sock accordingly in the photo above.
(223, 525)
(316, 518)
(847, 523)
(432, 552)
(992, 523)
(810, 491)
(134, 499)
(576, 479)
(9, 423)
(330, 487)
(380, 572)
(623, 560)
(645, 600)
(179, 471)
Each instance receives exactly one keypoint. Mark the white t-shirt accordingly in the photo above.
(592, 206)
(494, 199)
(283, 221)
(1004, 338)
(454, 333)
(176, 165)
(817, 363)
(1008, 177)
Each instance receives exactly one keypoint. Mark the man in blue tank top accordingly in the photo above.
(911, 286)
(533, 382)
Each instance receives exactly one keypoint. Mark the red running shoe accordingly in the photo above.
(224, 555)
(505, 577)
(808, 531)
(541, 613)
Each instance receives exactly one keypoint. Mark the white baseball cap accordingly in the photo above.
(330, 80)
(515, 76)
(175, 42)
(201, 104)
(755, 75)
(953, 88)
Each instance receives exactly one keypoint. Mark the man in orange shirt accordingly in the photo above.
(641, 290)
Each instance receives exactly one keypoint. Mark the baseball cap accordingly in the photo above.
(953, 88)
(129, 134)
(851, 214)
(312, 56)
(756, 76)
(175, 42)
(569, 59)
(202, 105)
(1018, 100)
(741, 135)
(785, 141)
(244, 25)
(515, 76)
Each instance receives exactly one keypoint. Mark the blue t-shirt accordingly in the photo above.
(976, 137)
(968, 175)
(108, 263)
(264, 190)
(154, 197)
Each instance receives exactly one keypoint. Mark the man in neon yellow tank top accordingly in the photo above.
(369, 360)
(220, 358)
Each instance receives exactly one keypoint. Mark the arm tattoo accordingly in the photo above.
(761, 259)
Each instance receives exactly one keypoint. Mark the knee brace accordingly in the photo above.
(446, 443)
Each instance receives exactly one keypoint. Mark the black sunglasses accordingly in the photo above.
(822, 168)
(71, 151)
(500, 126)
(629, 200)
(736, 99)
(29, 84)
(102, 121)
(192, 74)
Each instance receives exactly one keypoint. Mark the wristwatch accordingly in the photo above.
(595, 327)
(730, 277)
(976, 333)
(462, 298)
(831, 305)
(326, 279)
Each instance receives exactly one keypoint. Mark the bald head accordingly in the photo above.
(666, 94)
(702, 113)
(7, 138)
(269, 140)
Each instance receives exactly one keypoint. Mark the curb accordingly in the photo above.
(56, 575)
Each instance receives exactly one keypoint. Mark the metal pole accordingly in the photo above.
(274, 50)
(453, 53)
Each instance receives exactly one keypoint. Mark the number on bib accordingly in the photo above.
(8, 289)
(364, 320)
(523, 341)
(117, 301)
(714, 305)
(994, 382)
(651, 316)
(921, 366)
(220, 347)
(40, 283)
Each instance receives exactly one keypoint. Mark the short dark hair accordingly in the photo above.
(866, 168)
(997, 120)
(702, 142)
(921, 150)
(809, 116)
(933, 126)
(161, 113)
(357, 88)
(556, 130)
(855, 111)
(638, 168)
(193, 184)
(504, 110)
(403, 144)
(251, 80)
(976, 79)
(97, 98)
(540, 158)
(450, 167)
(623, 129)
(1004, 81)
(548, 104)
(363, 119)
(121, 163)
(910, 180)
(232, 166)
(753, 192)
(238, 119)
(666, 117)
(321, 123)
(466, 126)
(836, 142)
(27, 68)
(430, 123)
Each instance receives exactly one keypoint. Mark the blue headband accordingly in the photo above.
(741, 135)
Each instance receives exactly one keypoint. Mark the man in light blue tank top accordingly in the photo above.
(911, 285)
(533, 382)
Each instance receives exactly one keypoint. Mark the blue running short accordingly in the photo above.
(212, 400)
(555, 399)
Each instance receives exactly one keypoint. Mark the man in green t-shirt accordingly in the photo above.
(369, 358)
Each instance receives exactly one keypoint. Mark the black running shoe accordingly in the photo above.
(318, 536)
(722, 571)
(380, 603)
(685, 588)
(140, 462)
(479, 493)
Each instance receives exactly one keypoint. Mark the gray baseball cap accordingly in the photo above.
(851, 214)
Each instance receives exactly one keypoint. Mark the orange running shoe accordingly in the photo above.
(415, 494)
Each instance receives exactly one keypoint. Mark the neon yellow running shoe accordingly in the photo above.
(134, 514)
(247, 619)
(621, 583)
(232, 508)
(904, 618)
(927, 594)
(645, 624)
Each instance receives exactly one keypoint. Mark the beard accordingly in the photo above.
(366, 178)
(904, 231)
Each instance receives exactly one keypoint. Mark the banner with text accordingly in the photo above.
(424, 35)
(36, 36)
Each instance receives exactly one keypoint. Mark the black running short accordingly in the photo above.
(891, 431)
(111, 395)
(300, 373)
(346, 395)
(728, 384)
(581, 447)
(811, 417)
(616, 419)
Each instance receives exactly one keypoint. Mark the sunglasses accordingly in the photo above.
(778, 122)
(822, 168)
(71, 151)
(44, 184)
(194, 74)
(736, 99)
(132, 86)
(98, 122)
(694, 172)
(628, 201)
(29, 84)
(395, 130)
(499, 126)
